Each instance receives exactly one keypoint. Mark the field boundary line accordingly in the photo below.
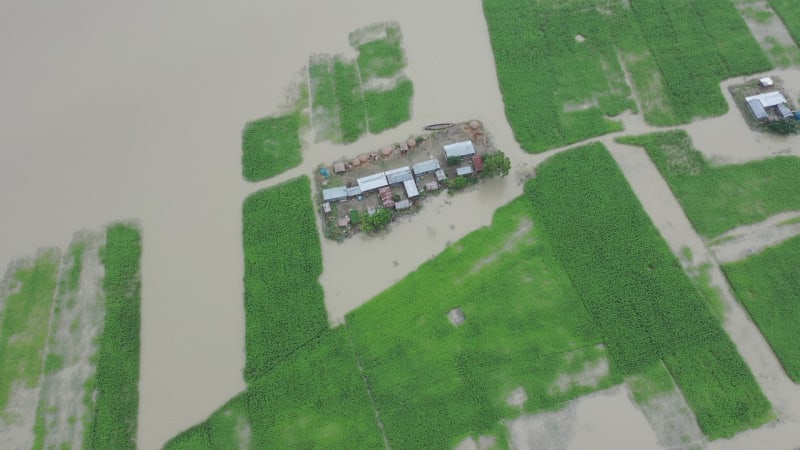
(366, 385)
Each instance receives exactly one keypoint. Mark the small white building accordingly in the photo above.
(411, 188)
(766, 82)
(767, 99)
(459, 149)
(334, 194)
(462, 171)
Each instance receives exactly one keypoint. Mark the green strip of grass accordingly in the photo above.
(719, 198)
(790, 16)
(283, 301)
(271, 146)
(388, 109)
(117, 394)
(352, 113)
(768, 285)
(433, 383)
(25, 321)
(645, 305)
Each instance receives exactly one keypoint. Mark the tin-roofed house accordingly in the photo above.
(370, 182)
(334, 194)
(399, 175)
(459, 149)
(421, 168)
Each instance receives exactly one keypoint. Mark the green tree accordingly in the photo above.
(784, 126)
(377, 221)
(496, 164)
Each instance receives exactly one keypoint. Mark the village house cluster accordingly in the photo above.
(771, 105)
(427, 174)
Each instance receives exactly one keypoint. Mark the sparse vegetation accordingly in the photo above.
(768, 285)
(271, 146)
(115, 416)
(719, 198)
(25, 321)
(645, 305)
(283, 301)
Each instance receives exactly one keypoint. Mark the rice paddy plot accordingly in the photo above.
(525, 341)
(768, 286)
(635, 289)
(271, 145)
(719, 198)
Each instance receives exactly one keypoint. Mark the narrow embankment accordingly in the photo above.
(743, 241)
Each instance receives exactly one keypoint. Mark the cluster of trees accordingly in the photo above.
(376, 222)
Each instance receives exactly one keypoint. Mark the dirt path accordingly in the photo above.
(741, 242)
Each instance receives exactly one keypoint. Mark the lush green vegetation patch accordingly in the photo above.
(271, 146)
(435, 383)
(558, 63)
(25, 321)
(315, 399)
(115, 416)
(644, 303)
(719, 198)
(352, 111)
(283, 301)
(790, 16)
(768, 285)
(227, 428)
(389, 108)
(382, 57)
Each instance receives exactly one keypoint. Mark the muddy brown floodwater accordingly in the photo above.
(135, 110)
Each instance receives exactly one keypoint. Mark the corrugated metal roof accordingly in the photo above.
(402, 204)
(353, 191)
(373, 181)
(424, 167)
(768, 99)
(440, 175)
(459, 149)
(334, 194)
(398, 175)
(785, 111)
(411, 188)
(466, 170)
(757, 110)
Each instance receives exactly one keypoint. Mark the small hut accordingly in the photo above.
(338, 167)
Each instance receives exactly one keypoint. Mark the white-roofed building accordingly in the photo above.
(466, 170)
(767, 99)
(424, 167)
(459, 149)
(353, 191)
(371, 182)
(334, 194)
(402, 204)
(766, 82)
(399, 175)
(411, 188)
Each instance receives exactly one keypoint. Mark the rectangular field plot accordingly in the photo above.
(768, 285)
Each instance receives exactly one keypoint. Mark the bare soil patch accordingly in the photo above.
(741, 242)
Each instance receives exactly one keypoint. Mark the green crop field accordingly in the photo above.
(350, 99)
(789, 13)
(271, 146)
(117, 376)
(644, 303)
(25, 319)
(559, 69)
(389, 108)
(719, 198)
(283, 301)
(382, 57)
(525, 326)
(768, 285)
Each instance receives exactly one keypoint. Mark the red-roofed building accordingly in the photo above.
(477, 162)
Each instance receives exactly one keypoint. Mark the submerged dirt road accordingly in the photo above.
(115, 111)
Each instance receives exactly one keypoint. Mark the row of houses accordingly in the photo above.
(406, 174)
